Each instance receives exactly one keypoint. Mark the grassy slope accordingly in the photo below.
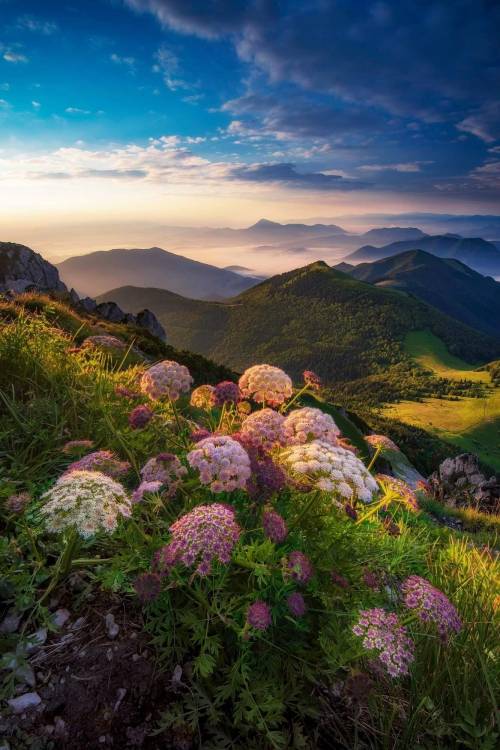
(472, 424)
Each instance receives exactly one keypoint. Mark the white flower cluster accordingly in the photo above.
(166, 379)
(264, 428)
(222, 462)
(106, 341)
(330, 468)
(266, 384)
(203, 397)
(87, 501)
(307, 424)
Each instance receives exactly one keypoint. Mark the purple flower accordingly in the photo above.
(17, 503)
(147, 586)
(200, 434)
(259, 615)
(274, 526)
(124, 392)
(371, 579)
(165, 469)
(339, 580)
(382, 632)
(296, 604)
(140, 417)
(312, 380)
(205, 534)
(143, 488)
(298, 567)
(226, 392)
(351, 511)
(77, 446)
(431, 605)
(104, 461)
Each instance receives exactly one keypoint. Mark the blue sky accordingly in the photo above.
(226, 106)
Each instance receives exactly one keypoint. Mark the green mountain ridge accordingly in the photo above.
(313, 317)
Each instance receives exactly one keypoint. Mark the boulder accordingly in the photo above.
(21, 270)
(460, 481)
(88, 304)
(148, 320)
(110, 311)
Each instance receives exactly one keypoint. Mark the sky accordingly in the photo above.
(135, 113)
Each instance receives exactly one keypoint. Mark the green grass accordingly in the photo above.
(472, 424)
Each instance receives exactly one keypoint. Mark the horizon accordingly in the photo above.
(121, 118)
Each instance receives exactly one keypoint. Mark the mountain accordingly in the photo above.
(449, 285)
(21, 268)
(385, 235)
(313, 317)
(475, 252)
(265, 230)
(95, 273)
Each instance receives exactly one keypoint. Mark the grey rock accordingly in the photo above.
(459, 481)
(22, 269)
(60, 617)
(148, 320)
(36, 640)
(10, 623)
(26, 675)
(112, 628)
(74, 297)
(24, 702)
(88, 304)
(110, 311)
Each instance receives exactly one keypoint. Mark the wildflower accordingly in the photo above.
(105, 462)
(391, 527)
(226, 392)
(147, 586)
(371, 579)
(88, 501)
(431, 605)
(145, 488)
(298, 567)
(382, 632)
(329, 468)
(307, 424)
(76, 446)
(140, 417)
(166, 469)
(351, 511)
(424, 487)
(265, 384)
(267, 477)
(17, 503)
(263, 429)
(205, 534)
(259, 615)
(296, 604)
(244, 408)
(399, 490)
(200, 434)
(274, 526)
(339, 580)
(312, 380)
(347, 445)
(382, 442)
(105, 341)
(222, 462)
(202, 397)
(166, 379)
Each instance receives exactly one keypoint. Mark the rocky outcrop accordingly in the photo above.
(460, 481)
(148, 320)
(22, 270)
(110, 311)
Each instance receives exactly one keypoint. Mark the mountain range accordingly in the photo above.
(479, 254)
(447, 284)
(95, 273)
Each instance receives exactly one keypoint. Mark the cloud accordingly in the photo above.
(35, 105)
(31, 23)
(128, 62)
(77, 111)
(4, 104)
(14, 57)
(167, 63)
(4, 86)
(435, 61)
(287, 175)
(484, 123)
(407, 167)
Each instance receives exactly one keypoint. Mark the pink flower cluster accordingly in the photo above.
(312, 380)
(205, 534)
(298, 567)
(166, 469)
(431, 605)
(401, 491)
(303, 425)
(381, 441)
(381, 631)
(104, 461)
(166, 379)
(259, 615)
(140, 417)
(226, 392)
(274, 526)
(296, 604)
(264, 429)
(76, 446)
(265, 384)
(222, 462)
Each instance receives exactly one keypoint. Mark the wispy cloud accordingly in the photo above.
(77, 111)
(32, 23)
(167, 64)
(408, 167)
(128, 62)
(11, 56)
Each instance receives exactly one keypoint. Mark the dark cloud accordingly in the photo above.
(288, 176)
(429, 59)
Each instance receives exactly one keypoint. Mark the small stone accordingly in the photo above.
(24, 702)
(25, 674)
(36, 640)
(120, 695)
(78, 623)
(112, 628)
(109, 654)
(60, 617)
(135, 657)
(102, 739)
(10, 623)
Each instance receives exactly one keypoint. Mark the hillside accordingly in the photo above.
(346, 330)
(449, 285)
(475, 252)
(96, 273)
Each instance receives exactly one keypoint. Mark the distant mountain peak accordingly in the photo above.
(265, 224)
